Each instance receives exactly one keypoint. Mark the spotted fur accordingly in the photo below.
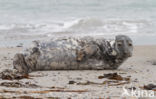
(75, 54)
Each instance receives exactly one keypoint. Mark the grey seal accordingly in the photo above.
(71, 53)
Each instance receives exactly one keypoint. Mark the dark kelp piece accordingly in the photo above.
(13, 75)
(114, 76)
(150, 87)
(19, 85)
(154, 63)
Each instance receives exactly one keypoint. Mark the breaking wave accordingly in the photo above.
(82, 26)
(109, 27)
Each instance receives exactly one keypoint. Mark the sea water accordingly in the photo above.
(22, 21)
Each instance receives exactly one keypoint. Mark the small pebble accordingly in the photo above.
(71, 82)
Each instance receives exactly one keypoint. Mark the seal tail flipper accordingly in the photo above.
(20, 64)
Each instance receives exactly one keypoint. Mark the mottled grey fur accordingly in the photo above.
(74, 53)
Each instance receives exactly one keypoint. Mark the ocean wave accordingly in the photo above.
(84, 23)
(82, 26)
(78, 27)
(106, 27)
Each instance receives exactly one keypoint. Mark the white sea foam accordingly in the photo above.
(86, 26)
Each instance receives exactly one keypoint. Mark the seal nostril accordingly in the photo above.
(125, 53)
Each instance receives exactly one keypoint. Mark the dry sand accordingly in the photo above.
(139, 68)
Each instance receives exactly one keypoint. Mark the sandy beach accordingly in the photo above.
(139, 69)
(24, 21)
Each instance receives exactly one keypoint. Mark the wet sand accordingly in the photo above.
(140, 69)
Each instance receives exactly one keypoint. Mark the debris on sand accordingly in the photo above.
(13, 75)
(114, 76)
(30, 97)
(54, 87)
(43, 91)
(132, 88)
(114, 80)
(71, 82)
(120, 83)
(26, 97)
(58, 90)
(88, 83)
(100, 77)
(11, 84)
(19, 85)
(107, 82)
(150, 87)
(154, 63)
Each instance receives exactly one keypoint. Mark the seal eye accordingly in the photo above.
(130, 44)
(119, 44)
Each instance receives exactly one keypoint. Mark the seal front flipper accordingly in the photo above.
(20, 64)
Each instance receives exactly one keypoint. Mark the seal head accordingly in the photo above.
(123, 46)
